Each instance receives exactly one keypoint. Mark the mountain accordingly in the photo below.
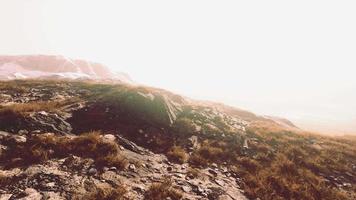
(94, 140)
(55, 67)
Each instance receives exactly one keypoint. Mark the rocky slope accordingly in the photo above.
(153, 144)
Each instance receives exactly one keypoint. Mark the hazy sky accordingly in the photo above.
(294, 59)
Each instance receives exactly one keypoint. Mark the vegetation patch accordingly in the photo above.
(162, 191)
(40, 148)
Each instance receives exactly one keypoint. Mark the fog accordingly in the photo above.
(289, 59)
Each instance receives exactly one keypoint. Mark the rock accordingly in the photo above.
(347, 185)
(186, 188)
(179, 175)
(113, 169)
(19, 139)
(109, 137)
(92, 171)
(52, 196)
(5, 196)
(224, 197)
(184, 166)
(3, 134)
(245, 145)
(50, 185)
(198, 190)
(220, 182)
(169, 169)
(213, 172)
(190, 176)
(132, 167)
(44, 113)
(23, 132)
(32, 194)
(194, 142)
(139, 189)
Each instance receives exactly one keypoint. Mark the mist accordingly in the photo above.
(289, 59)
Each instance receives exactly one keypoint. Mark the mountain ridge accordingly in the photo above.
(55, 67)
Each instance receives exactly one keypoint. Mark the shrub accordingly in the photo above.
(162, 191)
(103, 192)
(177, 154)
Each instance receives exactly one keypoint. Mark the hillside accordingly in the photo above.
(87, 140)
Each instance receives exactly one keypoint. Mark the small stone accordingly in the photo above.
(110, 137)
(348, 185)
(214, 165)
(5, 196)
(44, 113)
(132, 167)
(23, 132)
(212, 172)
(52, 196)
(169, 169)
(224, 169)
(36, 132)
(179, 175)
(92, 171)
(139, 189)
(105, 169)
(32, 194)
(51, 184)
(190, 176)
(113, 169)
(19, 139)
(220, 182)
(186, 188)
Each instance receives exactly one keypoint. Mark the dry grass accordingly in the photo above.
(284, 180)
(177, 154)
(162, 191)
(193, 172)
(283, 164)
(103, 192)
(43, 147)
(24, 108)
(210, 152)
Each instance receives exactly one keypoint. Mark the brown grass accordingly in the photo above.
(208, 153)
(177, 154)
(103, 192)
(89, 145)
(162, 191)
(24, 108)
(193, 172)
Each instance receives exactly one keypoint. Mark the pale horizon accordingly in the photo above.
(288, 59)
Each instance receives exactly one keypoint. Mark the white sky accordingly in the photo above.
(294, 59)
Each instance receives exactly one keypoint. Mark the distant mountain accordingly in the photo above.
(282, 121)
(55, 67)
